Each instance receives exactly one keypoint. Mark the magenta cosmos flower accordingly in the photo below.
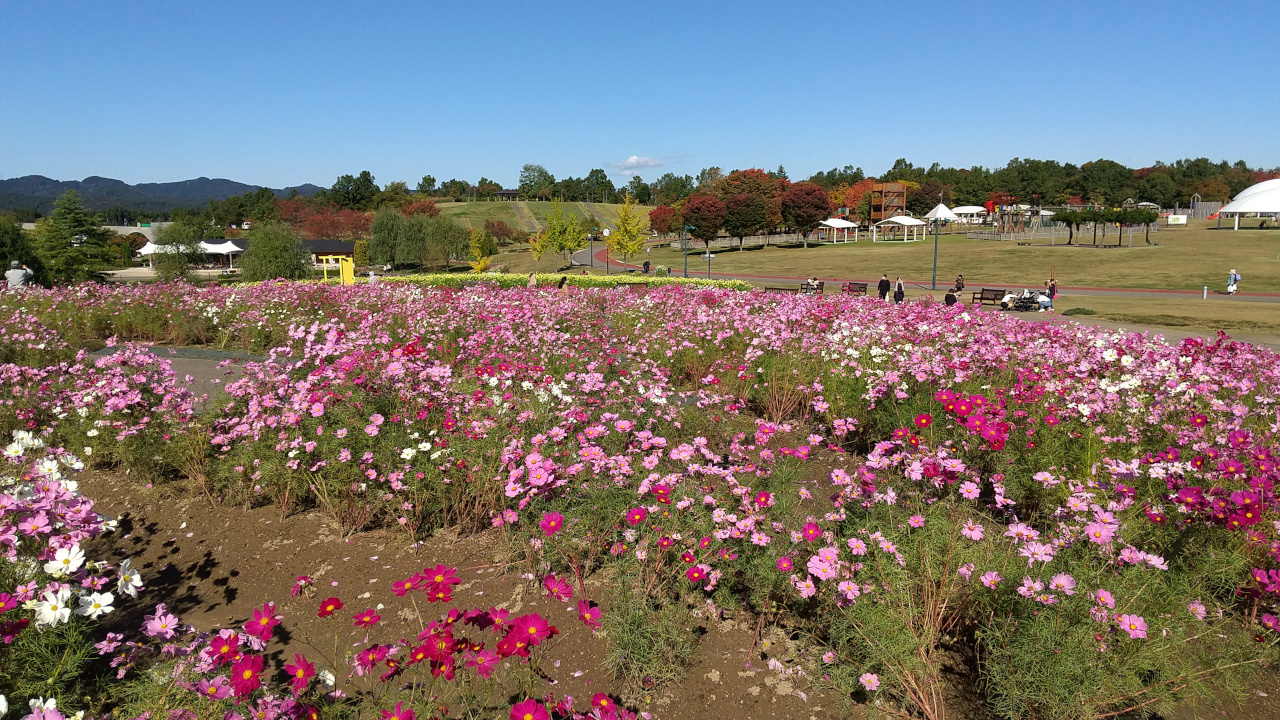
(589, 614)
(244, 675)
(300, 672)
(635, 516)
(811, 532)
(785, 564)
(368, 618)
(551, 523)
(558, 588)
(399, 712)
(263, 623)
(328, 607)
(924, 420)
(529, 710)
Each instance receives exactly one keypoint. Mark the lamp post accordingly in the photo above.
(591, 244)
(606, 252)
(937, 223)
(684, 245)
(709, 256)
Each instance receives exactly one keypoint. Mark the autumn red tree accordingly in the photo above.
(759, 183)
(804, 205)
(664, 219)
(706, 215)
(323, 221)
(422, 207)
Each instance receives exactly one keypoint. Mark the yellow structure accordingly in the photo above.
(346, 268)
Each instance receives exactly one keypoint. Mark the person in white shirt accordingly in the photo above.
(18, 275)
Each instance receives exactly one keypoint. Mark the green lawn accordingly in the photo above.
(473, 214)
(1183, 259)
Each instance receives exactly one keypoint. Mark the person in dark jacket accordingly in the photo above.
(952, 297)
(899, 290)
(884, 286)
(959, 283)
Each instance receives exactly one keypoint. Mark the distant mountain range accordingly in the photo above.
(99, 193)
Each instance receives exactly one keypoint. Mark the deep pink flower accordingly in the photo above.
(551, 523)
(785, 564)
(300, 672)
(484, 661)
(244, 675)
(589, 614)
(811, 532)
(263, 623)
(214, 689)
(558, 588)
(604, 705)
(398, 713)
(368, 618)
(328, 607)
(924, 420)
(635, 516)
(529, 710)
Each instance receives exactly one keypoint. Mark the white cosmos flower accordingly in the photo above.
(40, 703)
(65, 561)
(130, 580)
(4, 706)
(54, 609)
(95, 605)
(327, 679)
(13, 451)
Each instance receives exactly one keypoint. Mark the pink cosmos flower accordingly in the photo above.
(300, 672)
(263, 623)
(991, 578)
(1063, 583)
(1098, 533)
(806, 587)
(215, 689)
(784, 564)
(244, 675)
(924, 420)
(558, 588)
(328, 607)
(484, 661)
(529, 710)
(1104, 597)
(969, 490)
(400, 712)
(551, 523)
(811, 532)
(870, 681)
(1270, 622)
(857, 546)
(1197, 609)
(403, 587)
(916, 521)
(589, 614)
(635, 516)
(368, 618)
(162, 624)
(972, 530)
(1134, 625)
(696, 574)
(604, 705)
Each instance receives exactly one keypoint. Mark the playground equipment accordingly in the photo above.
(346, 268)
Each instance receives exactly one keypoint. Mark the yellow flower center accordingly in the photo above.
(248, 674)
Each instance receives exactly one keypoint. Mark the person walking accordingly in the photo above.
(1233, 279)
(959, 283)
(1050, 292)
(18, 275)
(899, 290)
(532, 283)
(883, 287)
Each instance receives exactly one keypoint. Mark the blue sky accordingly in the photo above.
(281, 93)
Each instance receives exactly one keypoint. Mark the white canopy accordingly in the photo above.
(1264, 186)
(1047, 213)
(901, 220)
(941, 212)
(839, 223)
(969, 210)
(1261, 201)
(224, 248)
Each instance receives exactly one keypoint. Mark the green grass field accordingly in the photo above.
(518, 214)
(1183, 259)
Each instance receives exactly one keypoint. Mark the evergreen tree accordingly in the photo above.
(72, 245)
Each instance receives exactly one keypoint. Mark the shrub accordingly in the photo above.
(1079, 311)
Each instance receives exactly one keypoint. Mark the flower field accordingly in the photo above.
(899, 499)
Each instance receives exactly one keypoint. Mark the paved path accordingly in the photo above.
(698, 268)
(524, 216)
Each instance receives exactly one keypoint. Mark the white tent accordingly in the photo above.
(900, 220)
(1255, 199)
(941, 212)
(969, 210)
(842, 224)
(225, 247)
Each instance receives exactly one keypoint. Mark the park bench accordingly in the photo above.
(854, 288)
(1024, 244)
(793, 291)
(817, 290)
(988, 296)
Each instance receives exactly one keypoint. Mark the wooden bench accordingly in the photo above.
(853, 288)
(1024, 244)
(987, 296)
(817, 290)
(793, 291)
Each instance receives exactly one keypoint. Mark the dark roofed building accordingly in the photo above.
(507, 194)
(329, 246)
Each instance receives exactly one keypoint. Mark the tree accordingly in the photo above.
(599, 186)
(500, 231)
(638, 187)
(1160, 189)
(481, 244)
(427, 185)
(485, 187)
(804, 205)
(422, 207)
(14, 245)
(360, 254)
(628, 238)
(535, 181)
(664, 219)
(71, 244)
(672, 188)
(179, 249)
(705, 215)
(274, 252)
(394, 195)
(564, 233)
(455, 188)
(747, 215)
(354, 193)
(759, 183)
(446, 240)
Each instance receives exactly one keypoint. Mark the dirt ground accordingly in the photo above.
(215, 565)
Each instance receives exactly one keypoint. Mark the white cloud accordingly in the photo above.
(632, 165)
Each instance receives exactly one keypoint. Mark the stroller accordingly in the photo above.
(1027, 301)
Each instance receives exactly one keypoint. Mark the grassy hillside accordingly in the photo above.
(529, 215)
